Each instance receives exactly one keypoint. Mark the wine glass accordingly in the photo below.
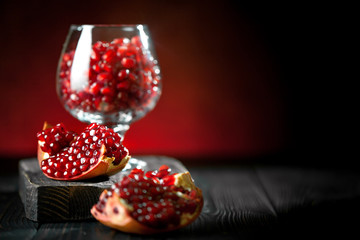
(109, 74)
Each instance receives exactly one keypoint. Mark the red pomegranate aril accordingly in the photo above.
(104, 77)
(95, 55)
(96, 67)
(107, 91)
(123, 85)
(75, 172)
(131, 51)
(83, 168)
(120, 41)
(99, 46)
(136, 40)
(109, 141)
(121, 51)
(50, 172)
(128, 62)
(107, 67)
(68, 166)
(76, 163)
(58, 174)
(109, 55)
(108, 99)
(123, 73)
(67, 57)
(95, 88)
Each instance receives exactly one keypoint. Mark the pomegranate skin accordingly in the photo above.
(116, 212)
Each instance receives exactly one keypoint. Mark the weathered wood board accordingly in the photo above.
(47, 200)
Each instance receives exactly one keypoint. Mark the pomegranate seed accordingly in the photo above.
(66, 174)
(107, 67)
(83, 168)
(58, 174)
(104, 77)
(100, 46)
(121, 51)
(108, 91)
(131, 51)
(95, 88)
(96, 67)
(109, 55)
(136, 41)
(95, 55)
(123, 74)
(75, 171)
(123, 85)
(121, 41)
(128, 62)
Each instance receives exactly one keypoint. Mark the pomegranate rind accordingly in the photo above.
(104, 166)
(124, 222)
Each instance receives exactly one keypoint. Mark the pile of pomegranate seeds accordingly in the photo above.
(84, 152)
(155, 201)
(122, 76)
(54, 139)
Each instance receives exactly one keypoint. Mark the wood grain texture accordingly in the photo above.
(48, 200)
(13, 222)
(250, 202)
(324, 202)
(293, 188)
(235, 206)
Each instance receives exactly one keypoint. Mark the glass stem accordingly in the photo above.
(120, 129)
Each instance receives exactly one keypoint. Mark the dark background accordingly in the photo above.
(251, 83)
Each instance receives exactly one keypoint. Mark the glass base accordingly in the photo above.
(134, 163)
(149, 163)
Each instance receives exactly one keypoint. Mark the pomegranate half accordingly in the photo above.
(151, 202)
(65, 155)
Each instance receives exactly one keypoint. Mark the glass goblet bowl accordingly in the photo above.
(109, 74)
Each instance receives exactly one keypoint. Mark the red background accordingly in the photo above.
(240, 81)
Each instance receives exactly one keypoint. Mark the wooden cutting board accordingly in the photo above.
(47, 200)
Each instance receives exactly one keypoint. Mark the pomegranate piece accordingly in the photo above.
(151, 202)
(96, 151)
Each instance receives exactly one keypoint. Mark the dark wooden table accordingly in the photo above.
(241, 202)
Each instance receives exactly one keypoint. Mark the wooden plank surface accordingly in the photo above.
(294, 188)
(13, 222)
(48, 200)
(240, 203)
(235, 206)
(306, 200)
